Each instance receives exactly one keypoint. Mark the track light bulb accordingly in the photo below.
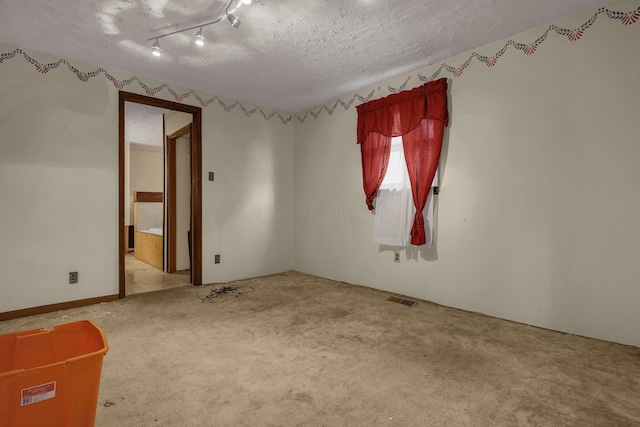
(200, 38)
(156, 50)
(235, 22)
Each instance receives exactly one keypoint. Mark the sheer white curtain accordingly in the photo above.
(394, 204)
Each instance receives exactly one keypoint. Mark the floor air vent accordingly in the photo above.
(402, 301)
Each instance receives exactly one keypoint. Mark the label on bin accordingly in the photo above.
(38, 393)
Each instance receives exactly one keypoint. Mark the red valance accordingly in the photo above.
(398, 114)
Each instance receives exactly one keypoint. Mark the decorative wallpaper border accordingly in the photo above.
(572, 35)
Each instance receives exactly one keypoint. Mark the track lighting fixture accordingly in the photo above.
(200, 38)
(235, 22)
(156, 50)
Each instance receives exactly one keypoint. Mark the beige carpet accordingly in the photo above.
(304, 351)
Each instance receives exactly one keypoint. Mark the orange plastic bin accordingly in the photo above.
(51, 378)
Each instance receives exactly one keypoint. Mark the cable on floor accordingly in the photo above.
(220, 294)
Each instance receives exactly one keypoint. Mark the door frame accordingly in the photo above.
(196, 182)
(170, 199)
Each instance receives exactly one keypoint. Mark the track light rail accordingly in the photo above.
(235, 22)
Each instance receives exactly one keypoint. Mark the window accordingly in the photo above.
(395, 209)
(419, 116)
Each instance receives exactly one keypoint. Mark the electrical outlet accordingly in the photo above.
(73, 277)
(217, 259)
(210, 176)
(396, 256)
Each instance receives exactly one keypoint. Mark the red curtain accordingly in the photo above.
(419, 116)
(375, 159)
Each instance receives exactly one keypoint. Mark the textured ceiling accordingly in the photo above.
(288, 55)
(143, 124)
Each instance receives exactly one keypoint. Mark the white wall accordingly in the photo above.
(246, 210)
(175, 121)
(128, 199)
(59, 185)
(538, 214)
(143, 168)
(147, 169)
(183, 201)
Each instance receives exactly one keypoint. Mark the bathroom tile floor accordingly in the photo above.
(141, 277)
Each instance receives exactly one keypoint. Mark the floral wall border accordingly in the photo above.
(572, 35)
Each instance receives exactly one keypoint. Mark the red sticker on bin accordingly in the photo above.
(38, 393)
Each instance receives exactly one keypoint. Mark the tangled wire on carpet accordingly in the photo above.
(215, 295)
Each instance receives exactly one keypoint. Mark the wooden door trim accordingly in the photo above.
(196, 182)
(171, 215)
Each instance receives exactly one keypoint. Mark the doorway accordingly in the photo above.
(195, 159)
